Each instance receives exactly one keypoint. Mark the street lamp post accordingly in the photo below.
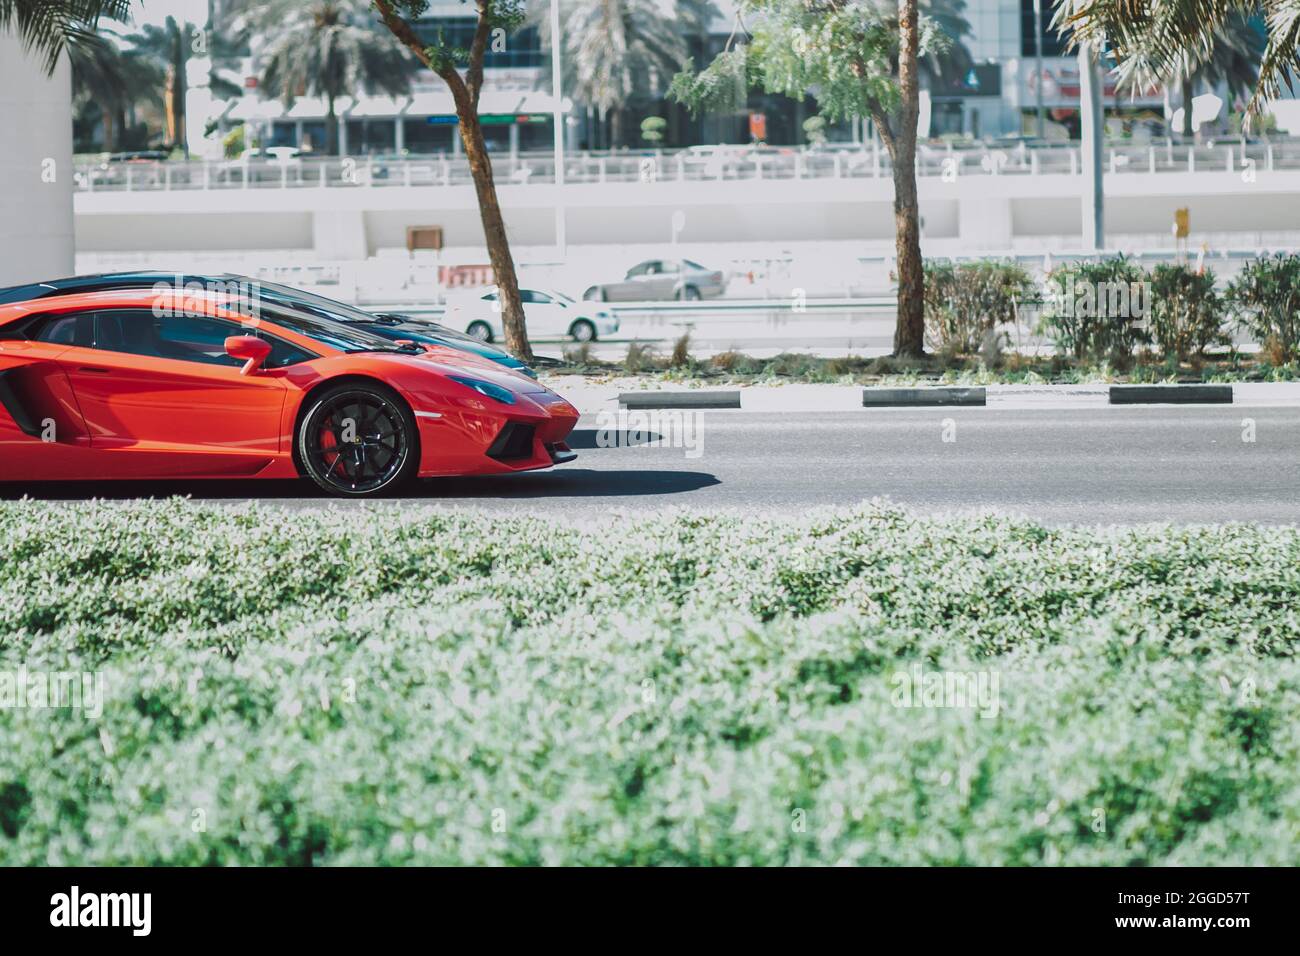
(1038, 55)
(557, 121)
(1090, 130)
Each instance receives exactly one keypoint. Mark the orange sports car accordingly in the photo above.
(159, 384)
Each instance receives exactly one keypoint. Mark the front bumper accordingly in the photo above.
(484, 438)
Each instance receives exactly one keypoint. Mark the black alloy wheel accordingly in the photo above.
(359, 440)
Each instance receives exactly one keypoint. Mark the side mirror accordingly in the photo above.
(249, 349)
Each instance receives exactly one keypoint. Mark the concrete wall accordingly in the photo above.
(36, 206)
(970, 214)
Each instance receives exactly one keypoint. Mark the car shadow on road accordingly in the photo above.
(561, 483)
(590, 438)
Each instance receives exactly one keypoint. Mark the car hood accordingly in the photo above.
(449, 361)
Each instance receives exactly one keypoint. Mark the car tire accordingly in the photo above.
(689, 293)
(376, 454)
(479, 330)
(583, 330)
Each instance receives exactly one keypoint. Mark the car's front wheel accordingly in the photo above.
(479, 330)
(359, 440)
(583, 331)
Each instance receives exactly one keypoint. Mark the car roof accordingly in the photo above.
(142, 298)
(103, 281)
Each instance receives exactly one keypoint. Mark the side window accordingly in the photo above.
(541, 298)
(181, 337)
(282, 353)
(77, 329)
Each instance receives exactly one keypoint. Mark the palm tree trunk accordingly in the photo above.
(494, 232)
(107, 117)
(615, 128)
(465, 95)
(331, 128)
(909, 331)
(1187, 106)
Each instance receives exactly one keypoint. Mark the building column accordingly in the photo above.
(339, 235)
(36, 184)
(984, 223)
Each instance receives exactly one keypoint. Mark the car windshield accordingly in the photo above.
(308, 302)
(343, 336)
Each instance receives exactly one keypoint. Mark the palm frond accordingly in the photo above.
(45, 27)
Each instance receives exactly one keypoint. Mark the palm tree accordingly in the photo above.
(1155, 41)
(46, 26)
(327, 48)
(1233, 61)
(950, 62)
(169, 45)
(110, 81)
(615, 48)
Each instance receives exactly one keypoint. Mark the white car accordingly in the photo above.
(549, 314)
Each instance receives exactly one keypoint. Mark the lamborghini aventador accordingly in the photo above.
(131, 384)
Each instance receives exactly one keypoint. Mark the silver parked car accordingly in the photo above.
(658, 279)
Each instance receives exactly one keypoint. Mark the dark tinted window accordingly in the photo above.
(66, 330)
(344, 336)
(184, 338)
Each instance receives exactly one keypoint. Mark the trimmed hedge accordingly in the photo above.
(410, 685)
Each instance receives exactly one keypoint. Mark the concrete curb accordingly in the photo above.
(1171, 395)
(937, 395)
(592, 397)
(695, 398)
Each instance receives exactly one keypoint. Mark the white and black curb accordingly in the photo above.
(1197, 394)
(797, 398)
(695, 398)
(923, 397)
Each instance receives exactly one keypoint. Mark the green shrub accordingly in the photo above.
(412, 685)
(965, 302)
(640, 356)
(1187, 313)
(1097, 311)
(1265, 296)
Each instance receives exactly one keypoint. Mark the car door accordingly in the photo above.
(665, 285)
(547, 317)
(160, 398)
(42, 433)
(633, 286)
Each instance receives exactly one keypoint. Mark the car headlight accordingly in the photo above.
(491, 390)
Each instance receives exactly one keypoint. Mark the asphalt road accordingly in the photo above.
(1086, 465)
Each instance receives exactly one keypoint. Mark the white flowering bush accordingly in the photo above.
(407, 685)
